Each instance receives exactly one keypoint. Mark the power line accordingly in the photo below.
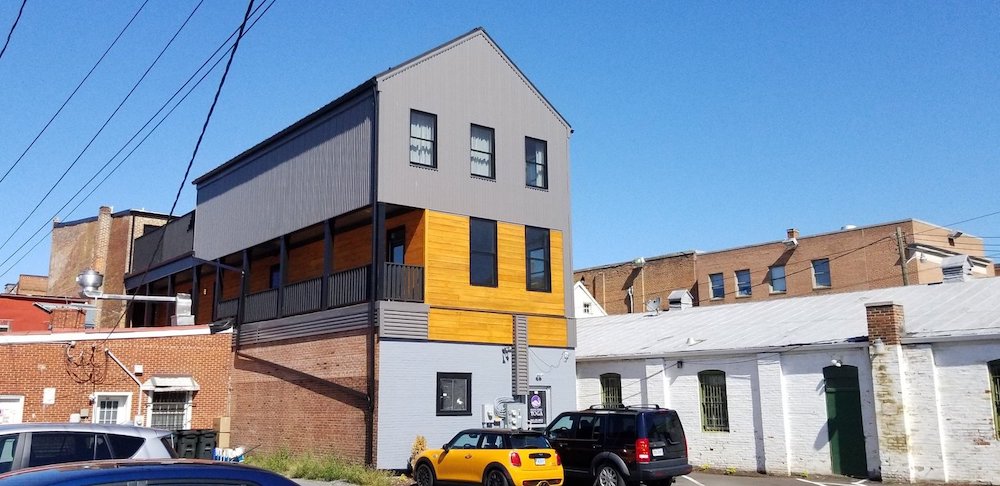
(73, 93)
(104, 125)
(194, 154)
(12, 27)
(263, 10)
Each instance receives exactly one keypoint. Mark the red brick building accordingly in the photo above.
(19, 313)
(851, 259)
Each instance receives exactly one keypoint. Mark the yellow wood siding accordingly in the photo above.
(447, 285)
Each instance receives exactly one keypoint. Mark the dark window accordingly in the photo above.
(482, 252)
(492, 441)
(743, 285)
(589, 427)
(611, 390)
(453, 393)
(423, 130)
(8, 444)
(821, 273)
(125, 446)
(718, 285)
(529, 441)
(275, 276)
(621, 430)
(994, 367)
(714, 407)
(778, 279)
(482, 152)
(536, 163)
(396, 249)
(538, 259)
(59, 447)
(561, 428)
(149, 228)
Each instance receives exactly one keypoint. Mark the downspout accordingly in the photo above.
(374, 287)
(138, 383)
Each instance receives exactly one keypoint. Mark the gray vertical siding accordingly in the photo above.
(148, 250)
(314, 173)
(471, 82)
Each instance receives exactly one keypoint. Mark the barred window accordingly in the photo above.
(611, 390)
(714, 409)
(994, 367)
(169, 410)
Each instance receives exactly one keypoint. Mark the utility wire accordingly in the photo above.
(104, 125)
(134, 148)
(194, 154)
(72, 94)
(12, 27)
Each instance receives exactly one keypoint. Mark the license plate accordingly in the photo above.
(658, 452)
(539, 461)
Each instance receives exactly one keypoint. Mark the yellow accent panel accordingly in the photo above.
(546, 331)
(477, 327)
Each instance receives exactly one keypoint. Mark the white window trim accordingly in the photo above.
(770, 280)
(97, 403)
(711, 286)
(188, 402)
(736, 279)
(20, 402)
(829, 276)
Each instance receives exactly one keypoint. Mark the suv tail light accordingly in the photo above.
(642, 451)
(515, 459)
(558, 460)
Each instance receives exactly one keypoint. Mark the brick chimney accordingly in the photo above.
(100, 261)
(885, 322)
(793, 233)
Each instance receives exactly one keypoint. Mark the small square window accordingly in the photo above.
(481, 150)
(453, 393)
(718, 285)
(536, 163)
(777, 278)
(821, 273)
(423, 133)
(586, 307)
(743, 286)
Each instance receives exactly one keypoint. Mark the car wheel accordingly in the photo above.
(495, 477)
(424, 475)
(608, 475)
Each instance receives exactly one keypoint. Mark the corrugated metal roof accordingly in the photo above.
(955, 309)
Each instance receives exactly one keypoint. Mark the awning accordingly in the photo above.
(170, 383)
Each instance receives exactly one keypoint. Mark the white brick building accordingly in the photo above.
(898, 383)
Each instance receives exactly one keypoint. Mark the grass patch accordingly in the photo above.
(322, 467)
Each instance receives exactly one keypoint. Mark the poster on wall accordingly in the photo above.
(536, 408)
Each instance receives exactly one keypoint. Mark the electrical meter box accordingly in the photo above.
(517, 416)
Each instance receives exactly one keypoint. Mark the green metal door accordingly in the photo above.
(843, 411)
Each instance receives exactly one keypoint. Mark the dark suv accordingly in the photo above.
(623, 445)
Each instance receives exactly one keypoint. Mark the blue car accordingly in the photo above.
(174, 472)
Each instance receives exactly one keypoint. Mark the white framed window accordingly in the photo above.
(481, 152)
(743, 286)
(11, 409)
(112, 408)
(821, 273)
(169, 410)
(718, 285)
(776, 276)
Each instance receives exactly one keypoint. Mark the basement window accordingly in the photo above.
(994, 367)
(453, 392)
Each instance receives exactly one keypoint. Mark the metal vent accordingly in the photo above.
(957, 268)
(519, 362)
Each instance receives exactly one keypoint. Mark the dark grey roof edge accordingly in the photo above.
(325, 109)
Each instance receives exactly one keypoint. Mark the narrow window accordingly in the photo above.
(396, 245)
(536, 246)
(482, 252)
(482, 152)
(536, 163)
(714, 409)
(274, 280)
(777, 278)
(611, 390)
(743, 286)
(423, 131)
(718, 285)
(453, 392)
(994, 367)
(821, 273)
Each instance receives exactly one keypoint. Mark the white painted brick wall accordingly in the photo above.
(635, 389)
(772, 414)
(890, 407)
(921, 407)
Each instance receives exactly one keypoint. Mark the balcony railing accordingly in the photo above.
(403, 283)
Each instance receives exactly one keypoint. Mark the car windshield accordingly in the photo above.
(529, 441)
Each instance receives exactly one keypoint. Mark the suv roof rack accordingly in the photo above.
(644, 405)
(622, 406)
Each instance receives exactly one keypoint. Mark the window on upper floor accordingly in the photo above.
(396, 245)
(274, 276)
(611, 390)
(536, 163)
(453, 393)
(481, 150)
(586, 307)
(482, 252)
(994, 367)
(776, 275)
(714, 406)
(743, 286)
(423, 138)
(718, 285)
(821, 273)
(538, 259)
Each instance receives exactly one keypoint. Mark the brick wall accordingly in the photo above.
(660, 276)
(885, 321)
(84, 368)
(32, 285)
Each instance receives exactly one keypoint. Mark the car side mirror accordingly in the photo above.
(445, 447)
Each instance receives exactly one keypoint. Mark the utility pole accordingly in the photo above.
(902, 255)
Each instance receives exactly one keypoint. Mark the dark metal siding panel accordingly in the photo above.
(519, 363)
(402, 320)
(178, 240)
(307, 325)
(471, 83)
(316, 173)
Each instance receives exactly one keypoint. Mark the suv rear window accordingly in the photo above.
(125, 446)
(529, 441)
(663, 428)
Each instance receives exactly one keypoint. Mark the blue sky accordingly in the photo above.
(698, 125)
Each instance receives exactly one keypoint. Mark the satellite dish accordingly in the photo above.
(653, 305)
